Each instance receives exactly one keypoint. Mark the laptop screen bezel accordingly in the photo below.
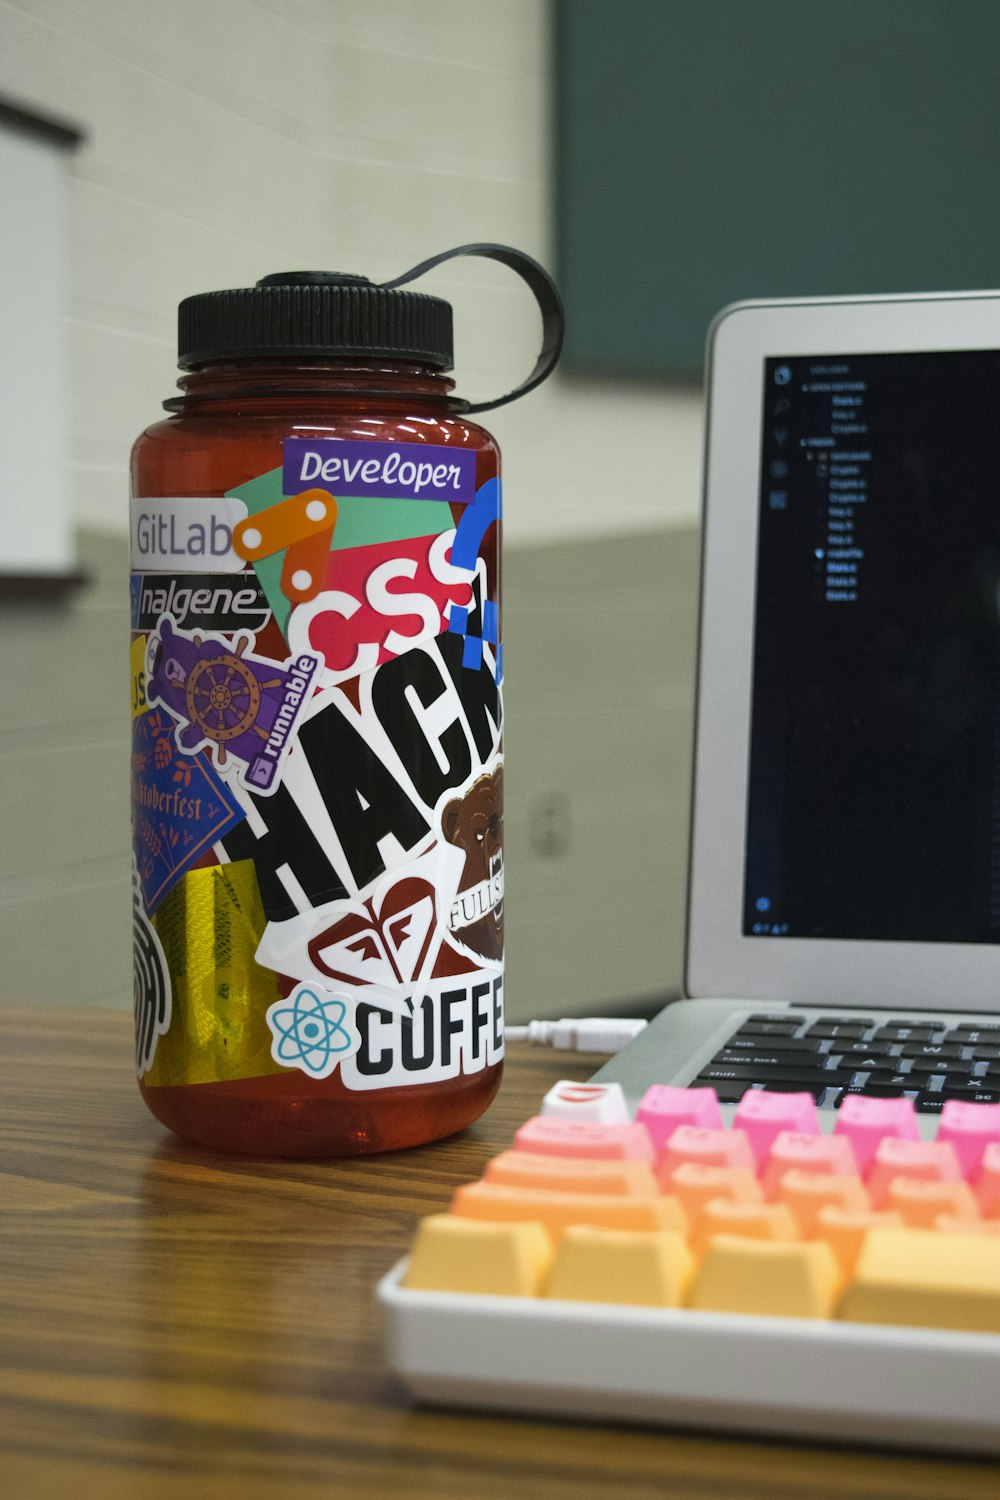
(720, 960)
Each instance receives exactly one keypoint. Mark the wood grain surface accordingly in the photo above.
(177, 1324)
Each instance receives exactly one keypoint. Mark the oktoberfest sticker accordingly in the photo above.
(243, 708)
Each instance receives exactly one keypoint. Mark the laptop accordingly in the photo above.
(843, 929)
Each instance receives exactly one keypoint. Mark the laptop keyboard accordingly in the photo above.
(834, 1057)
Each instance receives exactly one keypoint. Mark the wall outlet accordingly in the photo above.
(550, 824)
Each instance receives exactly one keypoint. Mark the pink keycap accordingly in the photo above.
(580, 1138)
(865, 1122)
(811, 1153)
(763, 1116)
(707, 1148)
(987, 1185)
(663, 1108)
(970, 1128)
(931, 1160)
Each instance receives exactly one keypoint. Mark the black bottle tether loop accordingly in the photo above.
(545, 293)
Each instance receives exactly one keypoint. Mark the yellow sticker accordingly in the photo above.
(137, 672)
(209, 927)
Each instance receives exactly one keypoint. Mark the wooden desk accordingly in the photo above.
(175, 1324)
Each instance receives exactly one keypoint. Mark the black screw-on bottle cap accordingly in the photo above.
(310, 313)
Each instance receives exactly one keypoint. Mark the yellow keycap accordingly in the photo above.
(614, 1265)
(464, 1255)
(790, 1279)
(926, 1280)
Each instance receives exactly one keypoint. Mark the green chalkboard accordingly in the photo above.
(721, 149)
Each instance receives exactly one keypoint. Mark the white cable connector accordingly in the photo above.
(607, 1034)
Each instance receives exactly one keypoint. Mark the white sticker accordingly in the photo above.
(313, 1030)
(451, 1027)
(185, 535)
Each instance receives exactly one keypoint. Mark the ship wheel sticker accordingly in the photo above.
(221, 696)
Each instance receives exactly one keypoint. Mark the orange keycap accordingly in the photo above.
(568, 1174)
(696, 1185)
(707, 1148)
(987, 1184)
(809, 1153)
(895, 1158)
(806, 1193)
(580, 1138)
(752, 1221)
(500, 1204)
(921, 1200)
(844, 1230)
(944, 1224)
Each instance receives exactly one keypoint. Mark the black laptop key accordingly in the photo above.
(939, 1050)
(843, 1031)
(769, 1028)
(883, 1078)
(873, 1091)
(974, 1030)
(899, 1032)
(777, 1015)
(768, 1058)
(985, 1054)
(851, 1050)
(742, 1042)
(928, 1103)
(971, 1094)
(729, 1091)
(953, 1066)
(791, 1086)
(769, 1074)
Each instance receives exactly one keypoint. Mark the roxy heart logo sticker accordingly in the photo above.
(385, 941)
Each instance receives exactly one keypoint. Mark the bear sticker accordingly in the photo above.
(473, 823)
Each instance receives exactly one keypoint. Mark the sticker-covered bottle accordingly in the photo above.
(317, 722)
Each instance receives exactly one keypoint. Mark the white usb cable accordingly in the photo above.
(607, 1034)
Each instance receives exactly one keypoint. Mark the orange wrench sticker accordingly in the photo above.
(302, 527)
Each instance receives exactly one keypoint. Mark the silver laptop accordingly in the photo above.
(843, 929)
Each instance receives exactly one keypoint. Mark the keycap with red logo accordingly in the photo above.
(597, 1103)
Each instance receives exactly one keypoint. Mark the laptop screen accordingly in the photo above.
(874, 777)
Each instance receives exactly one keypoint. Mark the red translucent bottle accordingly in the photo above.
(317, 767)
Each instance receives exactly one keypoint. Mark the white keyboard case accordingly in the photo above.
(782, 1377)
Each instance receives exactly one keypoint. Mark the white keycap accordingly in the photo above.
(600, 1103)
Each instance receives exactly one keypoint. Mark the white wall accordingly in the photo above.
(231, 138)
(36, 512)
